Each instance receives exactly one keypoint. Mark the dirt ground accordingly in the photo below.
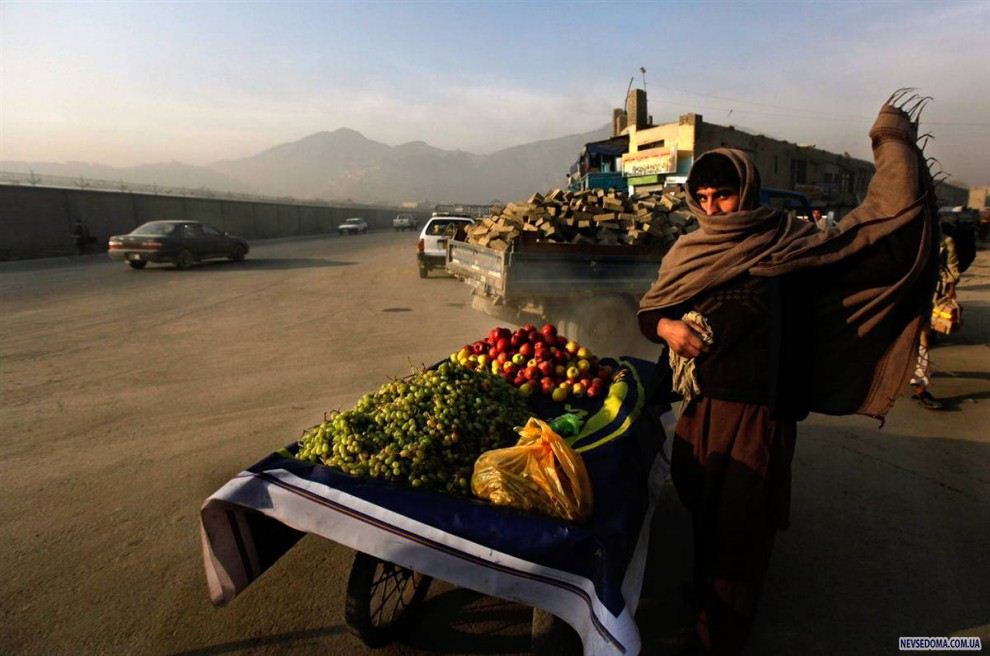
(130, 396)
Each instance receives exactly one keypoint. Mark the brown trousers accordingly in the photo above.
(731, 466)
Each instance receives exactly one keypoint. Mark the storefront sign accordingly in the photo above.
(649, 162)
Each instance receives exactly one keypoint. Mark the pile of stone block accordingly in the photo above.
(592, 216)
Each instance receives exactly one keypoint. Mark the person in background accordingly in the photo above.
(779, 319)
(948, 276)
(819, 219)
(80, 232)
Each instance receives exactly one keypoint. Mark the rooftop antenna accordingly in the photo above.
(643, 72)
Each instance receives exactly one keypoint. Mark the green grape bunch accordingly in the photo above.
(425, 430)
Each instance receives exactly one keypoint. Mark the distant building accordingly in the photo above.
(658, 155)
(598, 165)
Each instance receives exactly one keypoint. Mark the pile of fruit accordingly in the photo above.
(537, 361)
(425, 430)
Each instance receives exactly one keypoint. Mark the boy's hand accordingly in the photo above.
(682, 337)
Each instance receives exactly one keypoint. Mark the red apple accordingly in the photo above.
(519, 380)
(478, 347)
(526, 349)
(501, 357)
(593, 392)
(516, 339)
(547, 385)
(546, 367)
(549, 330)
(493, 353)
(562, 341)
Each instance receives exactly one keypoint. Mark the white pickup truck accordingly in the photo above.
(433, 240)
(405, 222)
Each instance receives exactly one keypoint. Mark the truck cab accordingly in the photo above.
(790, 201)
(784, 199)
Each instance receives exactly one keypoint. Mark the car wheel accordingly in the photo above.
(238, 254)
(184, 260)
(140, 264)
(364, 232)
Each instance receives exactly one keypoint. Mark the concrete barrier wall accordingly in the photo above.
(238, 218)
(38, 221)
(207, 211)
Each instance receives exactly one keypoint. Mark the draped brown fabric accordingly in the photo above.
(870, 279)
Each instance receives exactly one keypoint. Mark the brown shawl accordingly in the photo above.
(870, 279)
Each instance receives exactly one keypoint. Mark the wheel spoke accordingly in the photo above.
(392, 586)
(384, 591)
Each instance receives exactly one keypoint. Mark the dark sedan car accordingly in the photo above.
(181, 242)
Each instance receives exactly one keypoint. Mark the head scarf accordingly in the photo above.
(726, 245)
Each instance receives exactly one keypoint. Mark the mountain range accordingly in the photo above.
(346, 165)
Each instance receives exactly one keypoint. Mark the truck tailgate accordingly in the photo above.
(482, 268)
(546, 270)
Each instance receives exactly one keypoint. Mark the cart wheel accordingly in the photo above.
(379, 595)
(552, 636)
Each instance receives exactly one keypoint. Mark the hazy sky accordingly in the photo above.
(139, 82)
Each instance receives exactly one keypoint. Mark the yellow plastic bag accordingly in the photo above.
(540, 473)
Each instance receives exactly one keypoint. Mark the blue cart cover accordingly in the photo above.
(589, 575)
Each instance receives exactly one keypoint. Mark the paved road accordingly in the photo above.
(130, 396)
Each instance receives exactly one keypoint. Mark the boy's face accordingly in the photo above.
(816, 214)
(717, 200)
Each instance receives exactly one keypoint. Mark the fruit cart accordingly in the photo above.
(588, 576)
